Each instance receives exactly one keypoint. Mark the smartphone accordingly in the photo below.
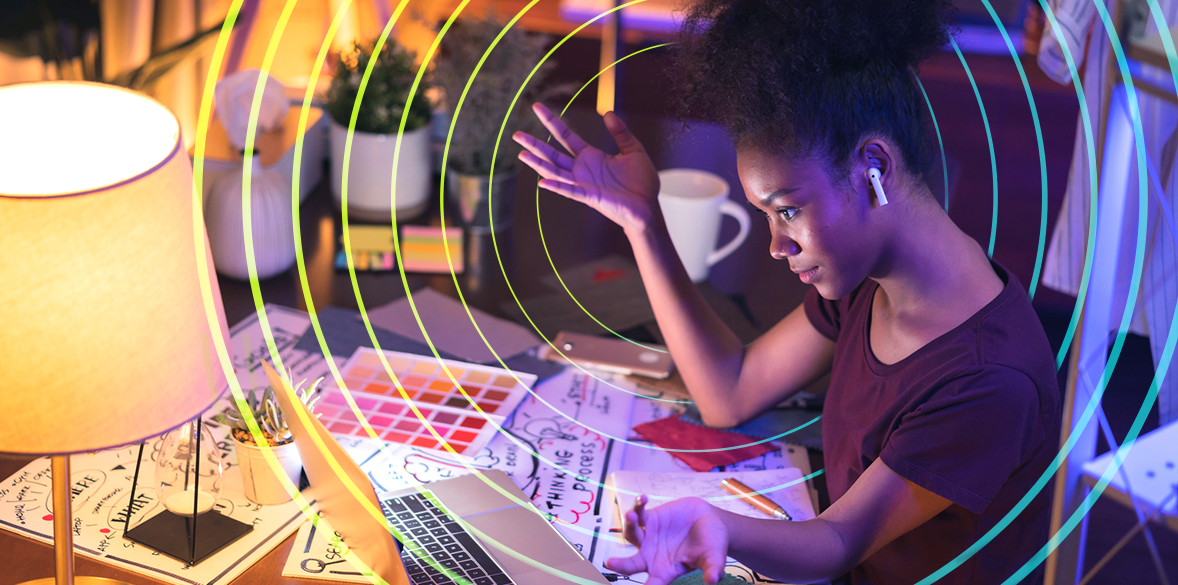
(610, 354)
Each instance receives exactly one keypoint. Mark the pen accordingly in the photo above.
(758, 501)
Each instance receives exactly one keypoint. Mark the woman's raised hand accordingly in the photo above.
(623, 187)
(673, 539)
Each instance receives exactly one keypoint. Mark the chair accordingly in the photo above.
(1147, 480)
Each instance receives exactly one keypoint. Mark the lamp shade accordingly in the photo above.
(105, 335)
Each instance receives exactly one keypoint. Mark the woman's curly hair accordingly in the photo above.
(812, 77)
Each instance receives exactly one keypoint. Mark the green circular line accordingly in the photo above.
(396, 244)
(246, 182)
(445, 157)
(248, 237)
(413, 307)
(445, 165)
(493, 235)
(253, 280)
(539, 224)
(247, 227)
(495, 152)
(494, 238)
(203, 120)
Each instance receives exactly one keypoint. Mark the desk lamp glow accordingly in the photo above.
(105, 340)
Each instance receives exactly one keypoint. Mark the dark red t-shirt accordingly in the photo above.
(972, 416)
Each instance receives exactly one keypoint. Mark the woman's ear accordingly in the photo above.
(878, 168)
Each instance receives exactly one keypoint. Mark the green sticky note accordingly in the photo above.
(697, 578)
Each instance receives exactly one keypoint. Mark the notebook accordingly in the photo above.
(784, 486)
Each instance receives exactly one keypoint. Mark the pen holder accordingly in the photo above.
(259, 480)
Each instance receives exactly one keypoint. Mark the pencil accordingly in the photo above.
(758, 501)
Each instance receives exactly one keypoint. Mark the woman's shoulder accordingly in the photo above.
(1010, 334)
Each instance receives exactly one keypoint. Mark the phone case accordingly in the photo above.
(611, 355)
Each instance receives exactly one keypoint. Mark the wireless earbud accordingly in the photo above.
(873, 174)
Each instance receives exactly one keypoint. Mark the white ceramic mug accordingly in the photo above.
(693, 204)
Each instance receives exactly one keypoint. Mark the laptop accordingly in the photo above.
(476, 529)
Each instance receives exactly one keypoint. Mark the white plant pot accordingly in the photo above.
(261, 484)
(370, 173)
(270, 217)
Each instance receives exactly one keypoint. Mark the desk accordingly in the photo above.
(572, 235)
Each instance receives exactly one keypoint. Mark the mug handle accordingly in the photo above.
(730, 207)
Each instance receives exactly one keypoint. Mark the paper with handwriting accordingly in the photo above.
(101, 486)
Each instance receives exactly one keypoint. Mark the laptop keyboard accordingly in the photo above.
(432, 532)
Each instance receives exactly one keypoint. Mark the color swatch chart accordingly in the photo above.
(441, 403)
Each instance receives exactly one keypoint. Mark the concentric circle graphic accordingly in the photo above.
(1129, 100)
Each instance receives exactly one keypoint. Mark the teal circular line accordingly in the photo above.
(1143, 200)
(1039, 142)
(1049, 473)
(1094, 402)
(989, 141)
(940, 141)
(1118, 459)
(1093, 187)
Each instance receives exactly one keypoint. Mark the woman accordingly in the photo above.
(942, 409)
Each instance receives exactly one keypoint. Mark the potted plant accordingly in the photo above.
(470, 179)
(370, 167)
(262, 485)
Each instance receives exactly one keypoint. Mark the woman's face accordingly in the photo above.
(819, 227)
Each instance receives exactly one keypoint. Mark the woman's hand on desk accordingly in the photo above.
(623, 187)
(674, 539)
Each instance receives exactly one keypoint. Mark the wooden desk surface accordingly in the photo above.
(570, 235)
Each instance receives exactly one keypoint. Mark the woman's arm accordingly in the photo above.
(686, 534)
(728, 382)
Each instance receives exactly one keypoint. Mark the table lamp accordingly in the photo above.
(107, 335)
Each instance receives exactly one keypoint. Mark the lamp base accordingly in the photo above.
(169, 533)
(77, 581)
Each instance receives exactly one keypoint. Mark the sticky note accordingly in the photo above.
(377, 238)
(424, 249)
